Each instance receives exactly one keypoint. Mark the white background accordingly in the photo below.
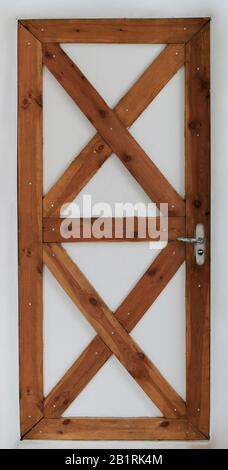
(59, 313)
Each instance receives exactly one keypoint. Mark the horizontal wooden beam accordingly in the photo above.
(132, 229)
(122, 31)
(114, 429)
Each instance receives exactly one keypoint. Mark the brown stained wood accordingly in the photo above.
(115, 429)
(111, 129)
(128, 314)
(133, 229)
(129, 108)
(197, 133)
(122, 31)
(30, 227)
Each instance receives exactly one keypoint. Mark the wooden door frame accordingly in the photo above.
(187, 42)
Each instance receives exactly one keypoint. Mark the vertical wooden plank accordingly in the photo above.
(30, 227)
(198, 211)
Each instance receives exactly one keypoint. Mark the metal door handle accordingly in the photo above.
(199, 243)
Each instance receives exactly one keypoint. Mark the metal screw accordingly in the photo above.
(54, 406)
(113, 332)
(197, 135)
(40, 432)
(199, 285)
(96, 353)
(53, 56)
(29, 416)
(53, 229)
(110, 128)
(30, 183)
(28, 43)
(94, 151)
(174, 252)
(172, 206)
(128, 313)
(52, 205)
(175, 409)
(176, 53)
(198, 68)
(198, 409)
(30, 303)
(126, 109)
(185, 28)
(42, 29)
(53, 254)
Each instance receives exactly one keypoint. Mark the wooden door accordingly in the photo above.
(40, 238)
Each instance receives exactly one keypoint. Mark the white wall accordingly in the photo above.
(9, 12)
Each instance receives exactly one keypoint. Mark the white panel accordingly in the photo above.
(112, 268)
(112, 68)
(66, 129)
(161, 332)
(112, 392)
(66, 332)
(112, 183)
(160, 131)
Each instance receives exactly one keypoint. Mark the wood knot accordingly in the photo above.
(151, 272)
(27, 252)
(93, 301)
(197, 203)
(164, 424)
(126, 157)
(195, 125)
(66, 422)
(141, 355)
(25, 103)
(77, 30)
(102, 113)
(48, 55)
(100, 148)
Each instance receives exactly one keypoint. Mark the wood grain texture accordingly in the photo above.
(128, 314)
(112, 129)
(115, 429)
(129, 108)
(122, 31)
(197, 133)
(30, 227)
(132, 229)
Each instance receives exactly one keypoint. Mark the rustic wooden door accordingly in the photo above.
(40, 237)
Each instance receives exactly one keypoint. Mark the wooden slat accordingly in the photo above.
(111, 129)
(128, 314)
(133, 229)
(131, 31)
(129, 108)
(30, 227)
(114, 429)
(197, 133)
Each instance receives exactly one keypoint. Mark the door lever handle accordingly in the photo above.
(198, 240)
(199, 243)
